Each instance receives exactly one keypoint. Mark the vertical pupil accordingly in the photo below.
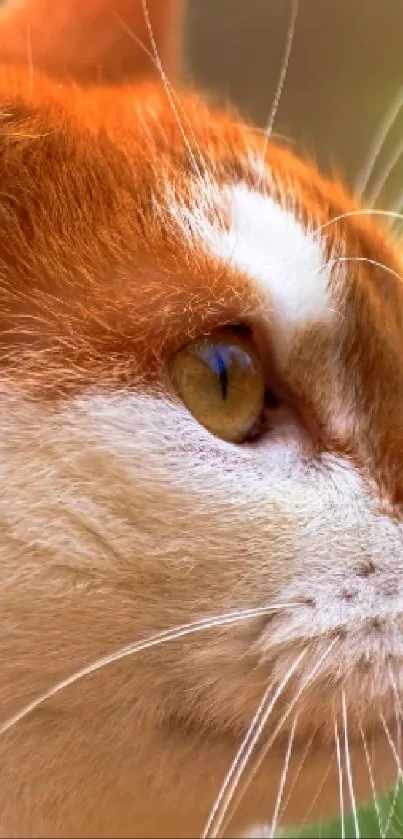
(222, 371)
(219, 360)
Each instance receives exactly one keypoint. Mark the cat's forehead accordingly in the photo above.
(284, 261)
(135, 230)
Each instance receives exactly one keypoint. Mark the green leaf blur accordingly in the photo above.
(387, 822)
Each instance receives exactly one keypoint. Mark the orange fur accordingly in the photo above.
(106, 537)
(91, 41)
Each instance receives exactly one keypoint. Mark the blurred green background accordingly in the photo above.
(346, 68)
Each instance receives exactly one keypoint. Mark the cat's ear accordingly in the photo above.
(92, 40)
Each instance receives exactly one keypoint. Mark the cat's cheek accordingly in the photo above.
(134, 506)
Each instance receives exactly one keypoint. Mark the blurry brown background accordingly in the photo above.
(346, 68)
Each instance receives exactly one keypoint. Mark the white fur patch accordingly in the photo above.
(287, 262)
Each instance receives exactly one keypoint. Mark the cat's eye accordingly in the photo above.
(220, 379)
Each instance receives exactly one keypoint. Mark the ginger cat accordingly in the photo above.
(201, 451)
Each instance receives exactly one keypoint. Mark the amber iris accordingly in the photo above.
(220, 379)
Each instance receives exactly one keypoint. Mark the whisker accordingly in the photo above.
(167, 85)
(398, 728)
(391, 214)
(228, 619)
(398, 785)
(399, 824)
(391, 813)
(384, 174)
(392, 746)
(399, 773)
(340, 774)
(348, 767)
(297, 774)
(395, 692)
(283, 778)
(365, 259)
(398, 205)
(280, 84)
(378, 144)
(266, 748)
(317, 795)
(382, 831)
(312, 235)
(242, 757)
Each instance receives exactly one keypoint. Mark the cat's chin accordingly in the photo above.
(199, 765)
(164, 783)
(316, 795)
(310, 795)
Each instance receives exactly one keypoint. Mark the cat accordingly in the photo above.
(201, 451)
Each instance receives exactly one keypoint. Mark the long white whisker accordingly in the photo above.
(392, 746)
(365, 259)
(390, 214)
(396, 692)
(312, 235)
(167, 84)
(280, 84)
(399, 823)
(399, 771)
(398, 205)
(382, 831)
(392, 808)
(384, 174)
(398, 713)
(297, 774)
(242, 757)
(340, 774)
(283, 778)
(168, 89)
(377, 144)
(228, 619)
(348, 767)
(243, 748)
(317, 794)
(266, 748)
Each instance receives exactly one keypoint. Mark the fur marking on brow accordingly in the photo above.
(267, 242)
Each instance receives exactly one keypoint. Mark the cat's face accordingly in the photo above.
(133, 263)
